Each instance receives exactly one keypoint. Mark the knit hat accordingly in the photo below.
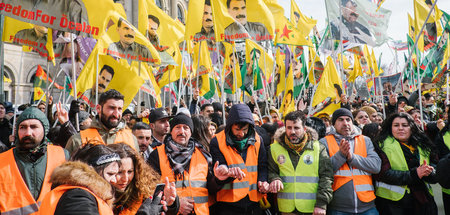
(341, 112)
(33, 113)
(181, 119)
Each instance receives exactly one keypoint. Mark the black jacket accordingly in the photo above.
(5, 131)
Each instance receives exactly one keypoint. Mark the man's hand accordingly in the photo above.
(144, 113)
(344, 147)
(344, 99)
(276, 186)
(50, 100)
(186, 205)
(440, 124)
(236, 172)
(220, 171)
(263, 186)
(301, 105)
(170, 192)
(61, 114)
(424, 170)
(319, 211)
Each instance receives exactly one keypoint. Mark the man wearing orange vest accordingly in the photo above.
(243, 170)
(354, 161)
(25, 170)
(108, 127)
(187, 163)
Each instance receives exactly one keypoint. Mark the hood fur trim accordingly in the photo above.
(279, 134)
(80, 174)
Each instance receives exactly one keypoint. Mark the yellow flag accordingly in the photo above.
(123, 40)
(368, 60)
(374, 64)
(150, 86)
(357, 70)
(303, 23)
(312, 57)
(420, 14)
(344, 59)
(265, 61)
(329, 85)
(288, 104)
(329, 109)
(290, 35)
(257, 11)
(194, 18)
(222, 19)
(203, 66)
(280, 72)
(231, 69)
(111, 75)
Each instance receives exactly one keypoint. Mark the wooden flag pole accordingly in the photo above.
(180, 81)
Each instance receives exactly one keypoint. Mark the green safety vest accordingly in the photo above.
(300, 184)
(447, 143)
(397, 160)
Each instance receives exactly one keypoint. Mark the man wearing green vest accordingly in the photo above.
(300, 170)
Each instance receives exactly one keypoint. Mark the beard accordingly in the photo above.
(295, 139)
(27, 143)
(108, 121)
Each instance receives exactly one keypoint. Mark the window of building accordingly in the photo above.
(180, 12)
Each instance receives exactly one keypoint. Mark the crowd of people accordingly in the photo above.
(365, 158)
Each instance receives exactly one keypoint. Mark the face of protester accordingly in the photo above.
(31, 134)
(238, 11)
(41, 107)
(349, 12)
(125, 174)
(343, 125)
(207, 111)
(144, 138)
(152, 27)
(127, 117)
(295, 131)
(373, 117)
(2, 112)
(362, 118)
(207, 21)
(110, 172)
(274, 117)
(401, 129)
(212, 130)
(240, 131)
(161, 127)
(126, 34)
(416, 117)
(111, 113)
(103, 81)
(181, 134)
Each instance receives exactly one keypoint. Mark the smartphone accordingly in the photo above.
(159, 188)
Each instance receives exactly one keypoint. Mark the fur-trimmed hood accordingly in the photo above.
(279, 134)
(80, 174)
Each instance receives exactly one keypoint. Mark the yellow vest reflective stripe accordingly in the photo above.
(394, 152)
(447, 143)
(300, 183)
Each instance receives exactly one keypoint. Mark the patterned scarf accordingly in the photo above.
(180, 156)
(296, 147)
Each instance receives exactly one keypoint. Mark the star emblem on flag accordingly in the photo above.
(286, 32)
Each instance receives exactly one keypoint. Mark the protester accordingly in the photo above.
(25, 170)
(240, 153)
(300, 169)
(108, 127)
(159, 123)
(143, 134)
(408, 158)
(361, 118)
(202, 133)
(5, 127)
(136, 182)
(354, 161)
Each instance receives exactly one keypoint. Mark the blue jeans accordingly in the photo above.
(372, 211)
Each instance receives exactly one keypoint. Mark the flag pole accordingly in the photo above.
(2, 61)
(138, 111)
(222, 76)
(50, 86)
(382, 97)
(447, 102)
(74, 79)
(17, 91)
(180, 83)
(264, 86)
(235, 97)
(96, 81)
(197, 74)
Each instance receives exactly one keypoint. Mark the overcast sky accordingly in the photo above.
(398, 25)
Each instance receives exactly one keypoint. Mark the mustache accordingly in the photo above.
(209, 20)
(240, 16)
(129, 36)
(102, 86)
(32, 139)
(181, 135)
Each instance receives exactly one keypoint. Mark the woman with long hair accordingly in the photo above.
(361, 118)
(82, 186)
(136, 182)
(202, 130)
(408, 159)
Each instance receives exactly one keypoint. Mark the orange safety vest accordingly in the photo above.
(194, 183)
(362, 181)
(51, 200)
(237, 190)
(133, 208)
(122, 136)
(15, 198)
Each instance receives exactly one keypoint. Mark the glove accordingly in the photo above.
(151, 207)
(74, 108)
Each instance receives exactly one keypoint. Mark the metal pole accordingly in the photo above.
(222, 76)
(2, 61)
(50, 86)
(447, 90)
(382, 98)
(17, 90)
(96, 81)
(138, 111)
(197, 74)
(180, 83)
(74, 79)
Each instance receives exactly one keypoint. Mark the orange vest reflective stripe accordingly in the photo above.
(237, 190)
(15, 198)
(362, 181)
(122, 136)
(194, 183)
(51, 200)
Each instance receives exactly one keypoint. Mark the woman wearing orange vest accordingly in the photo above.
(136, 182)
(408, 160)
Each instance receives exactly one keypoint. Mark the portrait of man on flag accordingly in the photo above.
(207, 30)
(104, 78)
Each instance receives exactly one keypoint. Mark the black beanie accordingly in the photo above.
(341, 112)
(181, 119)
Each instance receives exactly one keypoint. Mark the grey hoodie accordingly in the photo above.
(345, 198)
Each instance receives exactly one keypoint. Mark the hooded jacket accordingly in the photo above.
(344, 198)
(240, 113)
(79, 201)
(108, 135)
(324, 191)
